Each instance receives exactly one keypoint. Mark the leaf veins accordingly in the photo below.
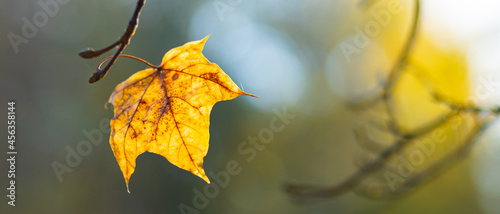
(166, 110)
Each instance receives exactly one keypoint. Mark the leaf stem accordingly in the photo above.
(128, 56)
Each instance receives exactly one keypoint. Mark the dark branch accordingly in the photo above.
(121, 43)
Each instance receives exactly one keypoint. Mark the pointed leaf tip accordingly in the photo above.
(178, 97)
(248, 94)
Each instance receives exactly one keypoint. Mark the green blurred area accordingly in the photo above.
(279, 50)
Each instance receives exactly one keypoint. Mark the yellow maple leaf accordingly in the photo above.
(166, 110)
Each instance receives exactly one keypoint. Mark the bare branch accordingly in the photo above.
(121, 44)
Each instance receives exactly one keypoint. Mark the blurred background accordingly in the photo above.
(292, 54)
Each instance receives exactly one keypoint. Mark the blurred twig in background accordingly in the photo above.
(401, 138)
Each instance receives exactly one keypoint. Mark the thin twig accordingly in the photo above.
(365, 170)
(397, 68)
(122, 43)
(449, 160)
(303, 191)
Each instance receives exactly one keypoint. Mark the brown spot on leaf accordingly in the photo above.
(176, 115)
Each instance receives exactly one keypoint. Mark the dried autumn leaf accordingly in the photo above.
(166, 110)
